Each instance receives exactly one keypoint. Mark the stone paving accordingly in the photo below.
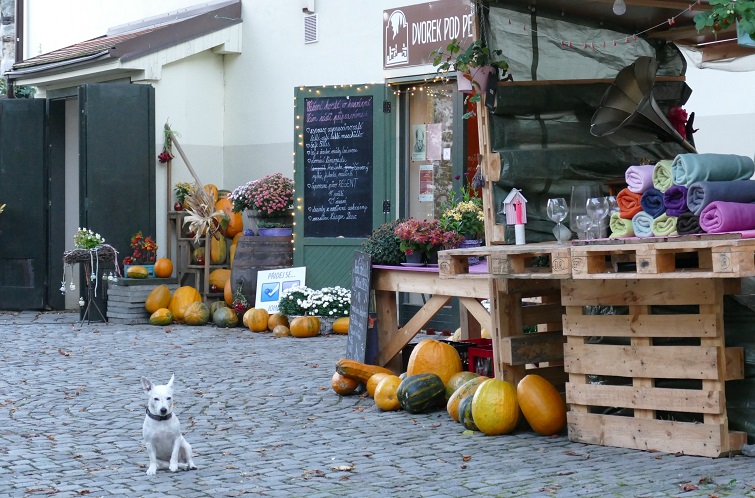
(262, 420)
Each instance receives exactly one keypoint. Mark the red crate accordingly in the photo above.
(480, 360)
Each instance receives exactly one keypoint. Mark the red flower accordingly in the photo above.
(164, 156)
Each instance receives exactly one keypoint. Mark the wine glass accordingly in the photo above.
(583, 223)
(613, 205)
(597, 209)
(557, 212)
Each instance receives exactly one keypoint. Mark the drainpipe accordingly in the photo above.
(19, 48)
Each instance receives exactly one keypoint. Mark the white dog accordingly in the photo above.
(166, 446)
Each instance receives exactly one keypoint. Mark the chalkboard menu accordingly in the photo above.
(361, 273)
(338, 167)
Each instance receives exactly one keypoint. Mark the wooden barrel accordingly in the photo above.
(259, 253)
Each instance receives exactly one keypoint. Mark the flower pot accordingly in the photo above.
(326, 324)
(254, 218)
(744, 39)
(479, 75)
(470, 244)
(275, 232)
(414, 258)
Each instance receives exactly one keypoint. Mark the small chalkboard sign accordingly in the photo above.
(356, 343)
(338, 153)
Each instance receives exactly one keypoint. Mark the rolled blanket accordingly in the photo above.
(675, 200)
(639, 178)
(664, 225)
(690, 168)
(629, 203)
(688, 224)
(719, 216)
(642, 223)
(662, 178)
(700, 194)
(652, 202)
(620, 227)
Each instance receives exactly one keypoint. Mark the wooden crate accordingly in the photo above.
(701, 258)
(644, 411)
(509, 261)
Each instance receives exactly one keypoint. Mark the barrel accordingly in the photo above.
(254, 253)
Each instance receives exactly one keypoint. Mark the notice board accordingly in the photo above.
(338, 169)
(359, 346)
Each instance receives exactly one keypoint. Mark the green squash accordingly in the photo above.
(457, 380)
(197, 314)
(225, 317)
(163, 316)
(421, 392)
(217, 304)
(465, 414)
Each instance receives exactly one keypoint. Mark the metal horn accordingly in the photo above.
(629, 100)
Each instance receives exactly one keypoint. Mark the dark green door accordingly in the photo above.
(24, 235)
(343, 176)
(117, 163)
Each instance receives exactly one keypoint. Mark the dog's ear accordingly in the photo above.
(146, 384)
(170, 382)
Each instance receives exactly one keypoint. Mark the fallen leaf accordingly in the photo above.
(688, 487)
(436, 425)
(313, 473)
(311, 418)
(64, 353)
(84, 492)
(343, 478)
(572, 453)
(466, 458)
(467, 432)
(343, 468)
(321, 388)
(463, 466)
(705, 480)
(359, 408)
(168, 330)
(566, 473)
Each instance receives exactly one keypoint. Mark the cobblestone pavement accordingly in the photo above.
(263, 420)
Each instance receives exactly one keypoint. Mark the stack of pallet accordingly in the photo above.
(126, 296)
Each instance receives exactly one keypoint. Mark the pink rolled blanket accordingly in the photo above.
(719, 216)
(639, 178)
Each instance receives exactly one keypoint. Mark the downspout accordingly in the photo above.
(19, 48)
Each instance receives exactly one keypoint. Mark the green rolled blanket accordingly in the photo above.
(620, 227)
(664, 225)
(662, 177)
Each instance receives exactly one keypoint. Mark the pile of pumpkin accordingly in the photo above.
(434, 378)
(185, 305)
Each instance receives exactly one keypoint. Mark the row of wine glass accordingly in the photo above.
(589, 219)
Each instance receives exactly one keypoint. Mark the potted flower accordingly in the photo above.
(724, 13)
(144, 251)
(182, 191)
(273, 229)
(270, 197)
(420, 240)
(473, 66)
(464, 215)
(328, 304)
(383, 245)
(85, 238)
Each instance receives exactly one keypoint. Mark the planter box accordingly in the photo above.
(150, 269)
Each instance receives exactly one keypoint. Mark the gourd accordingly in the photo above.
(225, 317)
(137, 271)
(305, 326)
(373, 382)
(231, 254)
(465, 415)
(158, 298)
(235, 221)
(163, 268)
(181, 300)
(276, 319)
(341, 325)
(161, 317)
(358, 370)
(197, 314)
(218, 250)
(228, 293)
(431, 356)
(217, 304)
(219, 277)
(541, 405)
(418, 393)
(281, 331)
(343, 385)
(465, 391)
(197, 255)
(256, 319)
(457, 380)
(494, 407)
(385, 393)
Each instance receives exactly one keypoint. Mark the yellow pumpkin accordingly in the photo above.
(465, 391)
(219, 277)
(431, 356)
(276, 319)
(236, 238)
(181, 300)
(256, 319)
(137, 271)
(158, 298)
(213, 191)
(373, 382)
(541, 404)
(495, 409)
(161, 316)
(228, 293)
(163, 268)
(305, 326)
(235, 222)
(231, 254)
(281, 331)
(341, 325)
(385, 393)
(218, 250)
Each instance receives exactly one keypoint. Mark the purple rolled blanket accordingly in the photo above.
(639, 178)
(688, 224)
(675, 200)
(652, 202)
(722, 216)
(700, 194)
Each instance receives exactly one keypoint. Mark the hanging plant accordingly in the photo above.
(725, 13)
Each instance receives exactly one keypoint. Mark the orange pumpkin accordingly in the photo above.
(228, 293)
(256, 319)
(343, 385)
(235, 222)
(541, 405)
(431, 356)
(158, 298)
(305, 326)
(181, 300)
(341, 325)
(385, 393)
(276, 319)
(219, 277)
(163, 268)
(373, 382)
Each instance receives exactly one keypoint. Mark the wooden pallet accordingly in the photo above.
(510, 261)
(702, 258)
(644, 412)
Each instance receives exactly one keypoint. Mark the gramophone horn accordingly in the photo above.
(629, 100)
